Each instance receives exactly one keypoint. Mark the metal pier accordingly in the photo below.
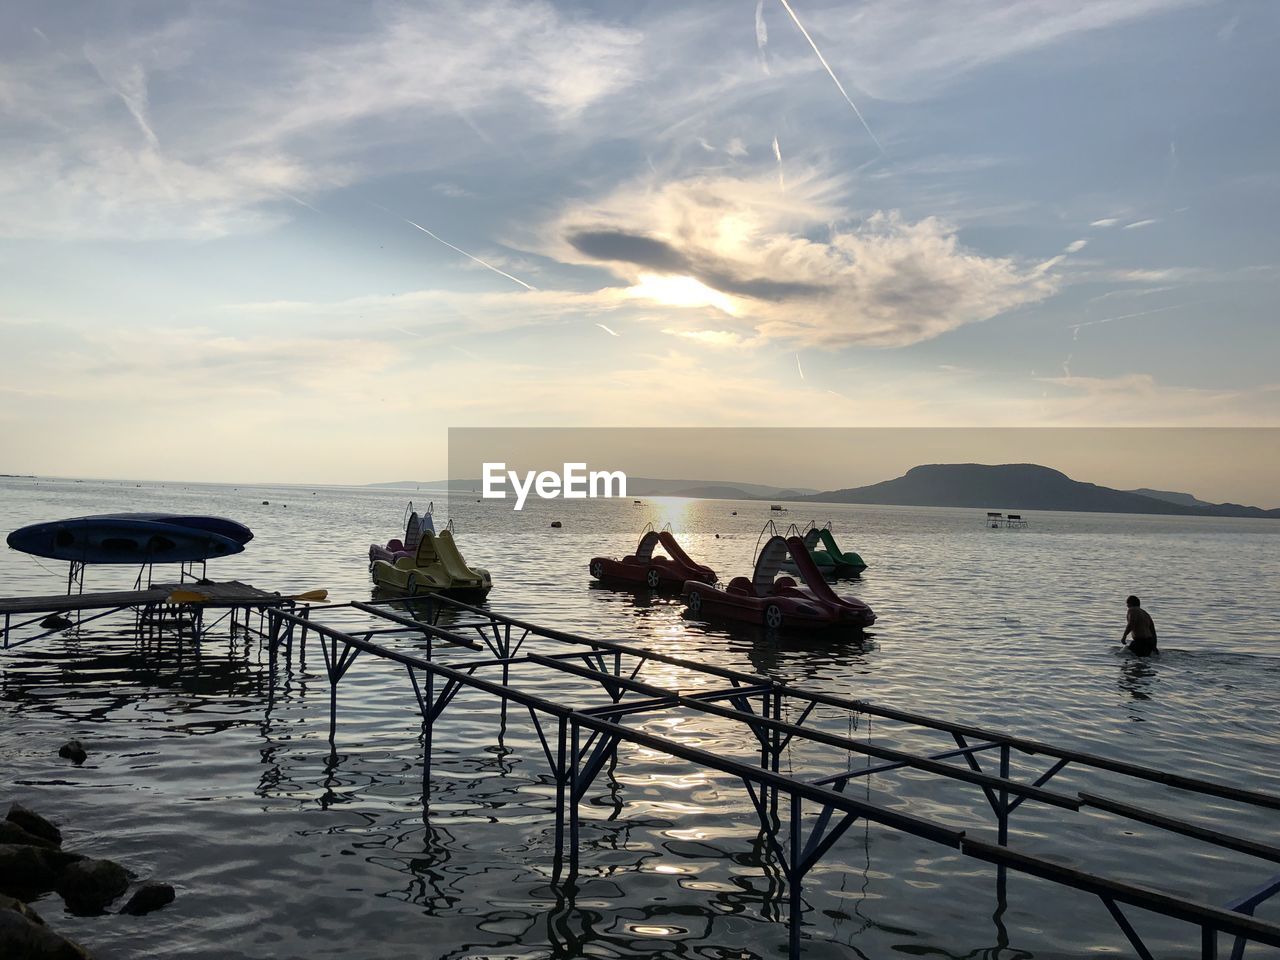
(21, 617)
(802, 814)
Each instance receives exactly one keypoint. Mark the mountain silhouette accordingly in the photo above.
(1020, 486)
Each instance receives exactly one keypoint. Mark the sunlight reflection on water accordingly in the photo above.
(280, 850)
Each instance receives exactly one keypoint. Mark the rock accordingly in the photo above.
(21, 937)
(74, 751)
(26, 870)
(87, 886)
(32, 822)
(148, 897)
(9, 903)
(10, 832)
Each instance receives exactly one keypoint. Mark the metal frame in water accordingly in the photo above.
(579, 740)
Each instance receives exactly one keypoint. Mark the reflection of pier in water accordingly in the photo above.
(802, 813)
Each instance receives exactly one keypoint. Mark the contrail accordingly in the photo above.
(777, 152)
(298, 200)
(800, 368)
(612, 333)
(487, 266)
(762, 37)
(1130, 316)
(831, 74)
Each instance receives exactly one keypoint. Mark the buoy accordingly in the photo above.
(556, 523)
(265, 502)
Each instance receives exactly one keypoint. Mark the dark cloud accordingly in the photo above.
(620, 246)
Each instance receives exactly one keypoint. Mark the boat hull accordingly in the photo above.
(128, 539)
(402, 577)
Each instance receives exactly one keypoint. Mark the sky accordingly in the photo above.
(298, 241)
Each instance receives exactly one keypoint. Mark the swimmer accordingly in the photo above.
(1143, 628)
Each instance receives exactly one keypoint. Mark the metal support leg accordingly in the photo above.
(795, 876)
(561, 782)
(1002, 873)
(573, 802)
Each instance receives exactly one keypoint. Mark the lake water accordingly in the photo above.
(277, 851)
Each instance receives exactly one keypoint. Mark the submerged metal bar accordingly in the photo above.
(884, 753)
(1023, 744)
(886, 767)
(765, 782)
(1202, 914)
(1240, 844)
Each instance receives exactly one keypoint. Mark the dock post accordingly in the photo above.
(1002, 872)
(573, 802)
(428, 731)
(561, 776)
(1208, 943)
(794, 877)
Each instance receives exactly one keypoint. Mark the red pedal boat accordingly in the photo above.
(671, 572)
(779, 602)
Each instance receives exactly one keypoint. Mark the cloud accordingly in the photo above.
(831, 73)
(144, 132)
(1139, 223)
(1076, 246)
(711, 338)
(1105, 222)
(913, 49)
(447, 189)
(790, 266)
(1138, 399)
(762, 37)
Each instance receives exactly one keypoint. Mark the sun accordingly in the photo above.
(680, 291)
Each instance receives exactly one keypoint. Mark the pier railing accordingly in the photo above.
(802, 815)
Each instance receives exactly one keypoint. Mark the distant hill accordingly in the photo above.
(642, 487)
(1186, 499)
(1021, 486)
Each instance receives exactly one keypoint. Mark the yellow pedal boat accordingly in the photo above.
(437, 567)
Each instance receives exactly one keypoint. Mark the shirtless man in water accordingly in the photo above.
(1140, 624)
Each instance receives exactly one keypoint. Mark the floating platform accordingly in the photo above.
(231, 595)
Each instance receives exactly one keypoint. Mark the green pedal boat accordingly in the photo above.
(831, 561)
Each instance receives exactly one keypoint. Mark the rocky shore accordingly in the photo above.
(33, 863)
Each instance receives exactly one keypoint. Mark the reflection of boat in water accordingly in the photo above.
(779, 602)
(436, 566)
(655, 572)
(827, 556)
(133, 538)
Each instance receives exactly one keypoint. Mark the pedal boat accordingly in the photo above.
(413, 530)
(779, 603)
(831, 561)
(643, 568)
(437, 567)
